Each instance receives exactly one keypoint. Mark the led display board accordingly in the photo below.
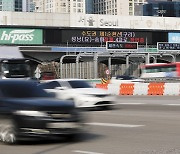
(103, 36)
(120, 46)
(164, 46)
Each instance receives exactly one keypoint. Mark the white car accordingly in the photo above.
(83, 94)
(125, 79)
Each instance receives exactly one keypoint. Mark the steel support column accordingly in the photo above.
(77, 65)
(61, 63)
(147, 58)
(109, 64)
(95, 59)
(127, 64)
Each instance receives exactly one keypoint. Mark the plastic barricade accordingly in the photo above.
(156, 88)
(126, 89)
(102, 86)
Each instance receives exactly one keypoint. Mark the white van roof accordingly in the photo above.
(10, 52)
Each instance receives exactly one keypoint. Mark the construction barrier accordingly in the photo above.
(126, 89)
(102, 86)
(156, 88)
(153, 88)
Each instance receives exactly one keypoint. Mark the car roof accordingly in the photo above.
(4, 81)
(16, 82)
(70, 79)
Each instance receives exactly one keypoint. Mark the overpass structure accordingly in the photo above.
(74, 38)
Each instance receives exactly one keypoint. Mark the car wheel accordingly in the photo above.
(7, 132)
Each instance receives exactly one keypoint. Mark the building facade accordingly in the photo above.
(28, 6)
(9, 5)
(117, 7)
(17, 5)
(167, 9)
(138, 7)
(109, 7)
(89, 7)
(60, 6)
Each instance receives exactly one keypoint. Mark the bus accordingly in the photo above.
(161, 70)
(13, 64)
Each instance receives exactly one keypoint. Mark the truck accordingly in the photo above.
(13, 64)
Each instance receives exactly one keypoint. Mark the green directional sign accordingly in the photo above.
(21, 36)
(152, 50)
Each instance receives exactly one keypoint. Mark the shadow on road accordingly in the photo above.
(83, 137)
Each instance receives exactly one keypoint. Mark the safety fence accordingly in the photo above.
(153, 88)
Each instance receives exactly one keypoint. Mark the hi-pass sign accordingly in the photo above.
(21, 36)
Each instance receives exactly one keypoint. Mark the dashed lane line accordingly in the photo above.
(86, 152)
(113, 125)
(131, 103)
(172, 104)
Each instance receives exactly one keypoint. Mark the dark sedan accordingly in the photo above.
(28, 112)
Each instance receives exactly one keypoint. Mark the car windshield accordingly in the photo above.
(123, 77)
(22, 90)
(79, 84)
(16, 69)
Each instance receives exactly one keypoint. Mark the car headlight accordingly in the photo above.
(31, 113)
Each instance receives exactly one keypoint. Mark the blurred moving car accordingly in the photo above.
(28, 112)
(125, 79)
(79, 90)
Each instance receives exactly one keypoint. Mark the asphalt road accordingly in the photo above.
(137, 125)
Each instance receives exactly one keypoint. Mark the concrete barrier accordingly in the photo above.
(172, 89)
(113, 89)
(141, 88)
(152, 88)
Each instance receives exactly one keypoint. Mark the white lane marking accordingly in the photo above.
(172, 104)
(86, 152)
(113, 125)
(131, 103)
(177, 104)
